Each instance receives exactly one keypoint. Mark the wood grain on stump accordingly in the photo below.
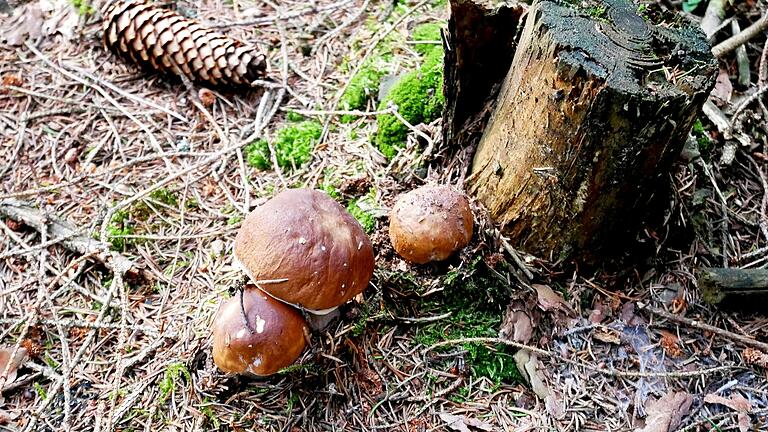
(591, 115)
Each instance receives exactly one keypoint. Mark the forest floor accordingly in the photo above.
(163, 176)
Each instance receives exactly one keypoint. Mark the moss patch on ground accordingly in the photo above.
(428, 33)
(476, 301)
(361, 208)
(362, 87)
(418, 96)
(293, 146)
(124, 222)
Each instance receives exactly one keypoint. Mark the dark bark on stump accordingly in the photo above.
(481, 45)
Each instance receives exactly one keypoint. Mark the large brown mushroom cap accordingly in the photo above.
(274, 340)
(430, 223)
(307, 238)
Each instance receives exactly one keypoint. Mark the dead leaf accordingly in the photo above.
(12, 364)
(608, 335)
(10, 80)
(463, 423)
(599, 313)
(549, 299)
(7, 416)
(517, 326)
(206, 97)
(369, 381)
(737, 403)
(745, 423)
(554, 407)
(723, 90)
(27, 23)
(528, 365)
(61, 19)
(666, 413)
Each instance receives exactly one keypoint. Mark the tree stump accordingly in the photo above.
(591, 115)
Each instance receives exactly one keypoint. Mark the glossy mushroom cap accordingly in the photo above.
(274, 340)
(307, 238)
(430, 223)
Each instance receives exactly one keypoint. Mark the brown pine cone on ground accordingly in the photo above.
(163, 40)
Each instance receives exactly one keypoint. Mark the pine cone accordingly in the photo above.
(163, 40)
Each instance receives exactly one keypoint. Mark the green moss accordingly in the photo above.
(40, 390)
(83, 8)
(702, 138)
(173, 372)
(598, 12)
(361, 207)
(476, 301)
(123, 221)
(362, 87)
(419, 99)
(427, 32)
(294, 116)
(330, 189)
(257, 154)
(119, 226)
(293, 146)
(165, 196)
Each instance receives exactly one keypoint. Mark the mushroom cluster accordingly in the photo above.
(301, 251)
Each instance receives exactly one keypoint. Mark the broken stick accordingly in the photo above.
(733, 287)
(28, 214)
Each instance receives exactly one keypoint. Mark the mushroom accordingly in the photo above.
(430, 223)
(305, 249)
(256, 334)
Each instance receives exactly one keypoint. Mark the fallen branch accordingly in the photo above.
(603, 370)
(70, 238)
(733, 286)
(745, 340)
(735, 41)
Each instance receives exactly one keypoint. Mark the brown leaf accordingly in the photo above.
(463, 423)
(517, 326)
(666, 413)
(529, 366)
(607, 335)
(723, 90)
(744, 421)
(369, 381)
(12, 364)
(14, 225)
(206, 97)
(736, 402)
(26, 24)
(549, 299)
(10, 80)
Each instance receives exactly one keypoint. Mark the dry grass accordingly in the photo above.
(85, 137)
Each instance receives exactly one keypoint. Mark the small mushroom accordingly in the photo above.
(430, 223)
(256, 334)
(305, 249)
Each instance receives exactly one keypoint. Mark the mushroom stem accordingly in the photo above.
(241, 289)
(242, 311)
